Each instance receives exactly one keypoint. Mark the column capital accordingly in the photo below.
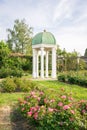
(42, 48)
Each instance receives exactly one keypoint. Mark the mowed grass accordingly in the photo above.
(52, 89)
(9, 99)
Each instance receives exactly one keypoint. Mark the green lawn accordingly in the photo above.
(51, 88)
(9, 98)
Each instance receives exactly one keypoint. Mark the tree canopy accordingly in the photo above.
(19, 38)
(4, 52)
(85, 54)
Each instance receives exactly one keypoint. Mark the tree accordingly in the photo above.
(4, 53)
(19, 38)
(85, 52)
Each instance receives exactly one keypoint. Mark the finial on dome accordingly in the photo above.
(44, 30)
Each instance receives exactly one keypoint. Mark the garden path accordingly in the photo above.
(9, 123)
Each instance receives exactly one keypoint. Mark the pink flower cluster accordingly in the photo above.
(33, 112)
(37, 106)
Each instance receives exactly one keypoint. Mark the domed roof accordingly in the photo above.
(44, 38)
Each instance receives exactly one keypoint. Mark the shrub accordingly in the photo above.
(64, 113)
(8, 85)
(24, 85)
(16, 72)
(7, 72)
(62, 78)
(73, 78)
(17, 85)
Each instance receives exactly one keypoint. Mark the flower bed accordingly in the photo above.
(61, 113)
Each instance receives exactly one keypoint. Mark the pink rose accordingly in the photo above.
(83, 111)
(35, 115)
(41, 93)
(32, 93)
(60, 104)
(45, 100)
(24, 102)
(66, 107)
(38, 98)
(64, 96)
(70, 98)
(33, 109)
(72, 111)
(50, 109)
(52, 100)
(29, 113)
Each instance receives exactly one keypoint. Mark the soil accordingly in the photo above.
(11, 120)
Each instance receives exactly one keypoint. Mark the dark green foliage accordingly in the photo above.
(62, 78)
(85, 52)
(73, 79)
(4, 53)
(26, 63)
(6, 72)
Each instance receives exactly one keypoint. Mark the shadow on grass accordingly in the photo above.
(19, 123)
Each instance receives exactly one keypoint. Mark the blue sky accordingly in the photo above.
(66, 19)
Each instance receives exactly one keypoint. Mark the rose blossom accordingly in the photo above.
(29, 113)
(66, 107)
(35, 115)
(83, 111)
(60, 104)
(45, 100)
(64, 96)
(72, 111)
(33, 109)
(50, 109)
(41, 93)
(70, 98)
(52, 100)
(38, 98)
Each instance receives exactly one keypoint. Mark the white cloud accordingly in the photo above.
(72, 38)
(66, 19)
(63, 10)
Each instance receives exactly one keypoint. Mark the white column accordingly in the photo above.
(42, 62)
(34, 63)
(46, 63)
(54, 62)
(37, 66)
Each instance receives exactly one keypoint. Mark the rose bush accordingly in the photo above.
(61, 113)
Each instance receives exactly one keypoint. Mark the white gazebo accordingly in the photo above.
(42, 43)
